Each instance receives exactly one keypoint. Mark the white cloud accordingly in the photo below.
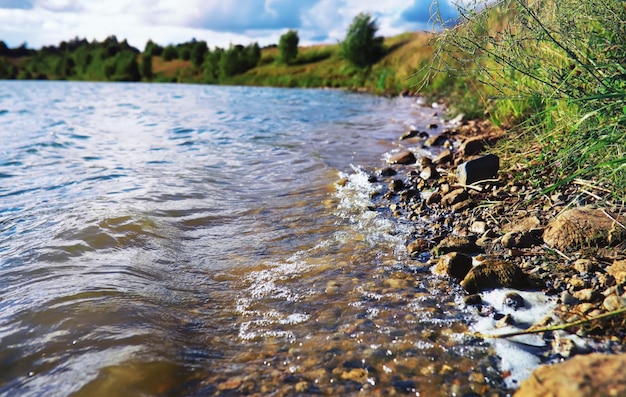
(219, 22)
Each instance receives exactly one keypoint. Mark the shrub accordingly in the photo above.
(361, 47)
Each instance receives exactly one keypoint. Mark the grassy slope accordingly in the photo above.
(321, 66)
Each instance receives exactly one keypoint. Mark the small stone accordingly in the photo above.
(436, 140)
(473, 300)
(404, 386)
(618, 271)
(388, 171)
(568, 299)
(464, 244)
(587, 295)
(613, 302)
(455, 196)
(444, 157)
(583, 266)
(396, 185)
(417, 246)
(479, 169)
(472, 146)
(514, 300)
(434, 198)
(409, 134)
(404, 157)
(506, 320)
(454, 264)
(519, 240)
(463, 205)
(478, 227)
(429, 172)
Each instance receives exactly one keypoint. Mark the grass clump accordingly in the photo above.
(556, 70)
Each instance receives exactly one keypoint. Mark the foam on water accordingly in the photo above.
(519, 354)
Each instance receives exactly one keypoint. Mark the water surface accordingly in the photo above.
(188, 240)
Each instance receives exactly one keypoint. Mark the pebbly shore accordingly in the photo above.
(490, 228)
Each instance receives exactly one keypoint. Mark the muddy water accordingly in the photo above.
(189, 240)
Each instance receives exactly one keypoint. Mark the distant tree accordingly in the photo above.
(127, 67)
(153, 49)
(361, 47)
(184, 54)
(146, 66)
(229, 63)
(198, 52)
(169, 53)
(212, 65)
(4, 50)
(288, 47)
(252, 56)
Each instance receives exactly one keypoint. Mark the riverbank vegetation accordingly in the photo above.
(552, 73)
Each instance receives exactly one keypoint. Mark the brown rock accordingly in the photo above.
(472, 146)
(522, 225)
(455, 196)
(496, 274)
(618, 271)
(444, 157)
(519, 240)
(404, 157)
(434, 198)
(584, 226)
(417, 246)
(454, 265)
(436, 140)
(464, 244)
(582, 376)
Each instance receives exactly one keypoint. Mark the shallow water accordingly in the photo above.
(192, 240)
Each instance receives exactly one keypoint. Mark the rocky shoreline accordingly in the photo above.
(487, 229)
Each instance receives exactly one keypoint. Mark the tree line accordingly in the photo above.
(114, 60)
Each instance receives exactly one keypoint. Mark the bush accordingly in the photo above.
(288, 47)
(361, 47)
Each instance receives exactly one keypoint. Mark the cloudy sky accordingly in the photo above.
(218, 22)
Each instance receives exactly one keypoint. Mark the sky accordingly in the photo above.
(218, 22)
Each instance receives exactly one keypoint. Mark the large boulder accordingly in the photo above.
(584, 226)
(583, 376)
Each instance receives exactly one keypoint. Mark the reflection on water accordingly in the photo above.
(190, 240)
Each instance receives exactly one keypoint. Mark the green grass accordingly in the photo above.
(555, 72)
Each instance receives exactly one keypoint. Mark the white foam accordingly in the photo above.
(518, 354)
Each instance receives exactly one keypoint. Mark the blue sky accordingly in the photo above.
(218, 22)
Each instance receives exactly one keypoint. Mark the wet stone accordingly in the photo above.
(387, 172)
(404, 157)
(473, 300)
(514, 300)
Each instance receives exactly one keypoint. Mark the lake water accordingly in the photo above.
(188, 240)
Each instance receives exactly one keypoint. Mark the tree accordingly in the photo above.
(361, 47)
(169, 53)
(288, 47)
(146, 66)
(198, 52)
